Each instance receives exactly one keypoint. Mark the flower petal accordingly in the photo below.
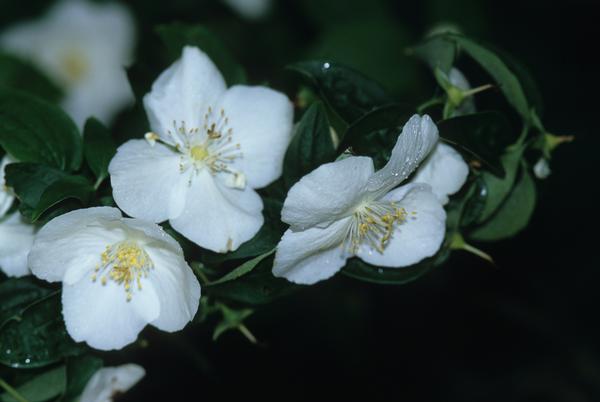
(311, 255)
(444, 170)
(420, 236)
(72, 242)
(419, 136)
(261, 120)
(183, 93)
(217, 217)
(16, 238)
(328, 193)
(177, 289)
(109, 381)
(101, 316)
(147, 181)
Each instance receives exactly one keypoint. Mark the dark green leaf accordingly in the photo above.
(41, 388)
(358, 269)
(311, 145)
(243, 269)
(437, 51)
(18, 74)
(365, 134)
(33, 130)
(505, 78)
(514, 213)
(347, 92)
(80, 370)
(480, 136)
(40, 187)
(256, 287)
(98, 147)
(32, 332)
(497, 189)
(177, 35)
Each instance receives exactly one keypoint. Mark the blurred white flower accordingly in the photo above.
(118, 275)
(250, 9)
(16, 235)
(109, 382)
(209, 149)
(444, 170)
(542, 169)
(345, 208)
(83, 46)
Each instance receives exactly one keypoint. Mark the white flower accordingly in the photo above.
(542, 169)
(16, 235)
(209, 149)
(250, 9)
(109, 382)
(345, 208)
(444, 170)
(118, 275)
(83, 47)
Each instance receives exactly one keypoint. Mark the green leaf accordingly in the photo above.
(33, 130)
(347, 92)
(243, 269)
(177, 35)
(514, 213)
(98, 147)
(41, 187)
(437, 51)
(505, 78)
(496, 188)
(41, 388)
(256, 287)
(365, 135)
(18, 74)
(80, 370)
(480, 136)
(32, 332)
(311, 145)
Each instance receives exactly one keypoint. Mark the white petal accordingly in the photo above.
(183, 93)
(541, 169)
(328, 193)
(177, 289)
(419, 136)
(444, 170)
(16, 238)
(101, 316)
(147, 181)
(311, 255)
(217, 217)
(457, 79)
(420, 236)
(72, 242)
(250, 9)
(261, 121)
(108, 381)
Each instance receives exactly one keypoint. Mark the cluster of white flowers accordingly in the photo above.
(210, 148)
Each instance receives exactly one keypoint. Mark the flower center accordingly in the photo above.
(124, 263)
(199, 153)
(373, 224)
(74, 65)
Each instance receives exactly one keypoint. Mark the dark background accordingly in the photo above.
(525, 330)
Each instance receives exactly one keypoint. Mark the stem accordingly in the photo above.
(431, 102)
(98, 183)
(474, 91)
(478, 252)
(11, 391)
(246, 332)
